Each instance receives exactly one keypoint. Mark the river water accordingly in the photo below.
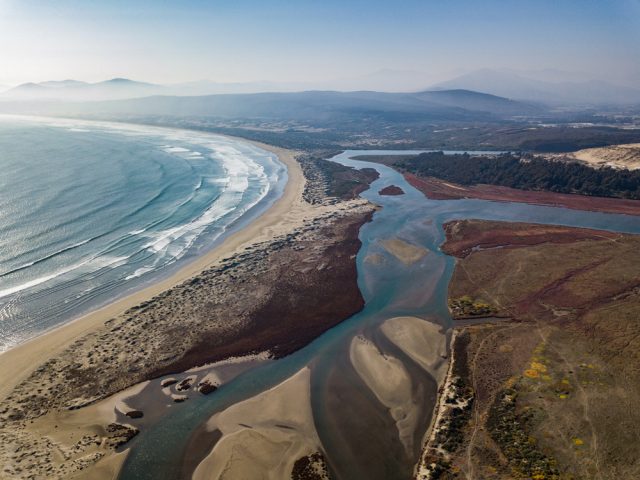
(357, 432)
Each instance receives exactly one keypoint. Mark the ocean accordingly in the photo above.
(92, 211)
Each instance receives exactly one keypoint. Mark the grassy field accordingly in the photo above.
(557, 387)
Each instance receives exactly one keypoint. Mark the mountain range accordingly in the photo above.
(312, 106)
(74, 90)
(550, 87)
(562, 89)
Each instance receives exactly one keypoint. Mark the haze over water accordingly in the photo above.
(90, 211)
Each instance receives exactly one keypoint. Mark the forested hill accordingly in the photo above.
(525, 172)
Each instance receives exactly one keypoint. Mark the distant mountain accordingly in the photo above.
(384, 80)
(520, 87)
(73, 90)
(63, 83)
(480, 102)
(324, 105)
(210, 87)
(313, 106)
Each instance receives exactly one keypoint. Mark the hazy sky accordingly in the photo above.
(307, 40)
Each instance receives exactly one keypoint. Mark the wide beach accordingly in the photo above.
(17, 363)
(67, 394)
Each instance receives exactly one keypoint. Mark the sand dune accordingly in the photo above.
(617, 156)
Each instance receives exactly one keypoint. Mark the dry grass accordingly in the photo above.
(570, 359)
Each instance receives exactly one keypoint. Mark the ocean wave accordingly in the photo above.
(218, 181)
(96, 262)
(240, 172)
(139, 272)
(46, 257)
(170, 149)
(144, 244)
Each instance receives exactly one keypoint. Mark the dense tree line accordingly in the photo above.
(525, 172)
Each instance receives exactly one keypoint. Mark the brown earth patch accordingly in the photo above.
(440, 190)
(466, 236)
(303, 302)
(556, 389)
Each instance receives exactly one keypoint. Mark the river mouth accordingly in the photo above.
(353, 413)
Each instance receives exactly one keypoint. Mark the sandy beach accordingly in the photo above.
(390, 382)
(70, 375)
(263, 437)
(16, 364)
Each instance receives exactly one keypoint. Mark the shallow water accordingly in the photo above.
(91, 211)
(357, 432)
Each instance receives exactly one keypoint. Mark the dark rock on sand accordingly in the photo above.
(206, 388)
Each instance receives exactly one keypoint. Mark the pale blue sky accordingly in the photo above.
(309, 40)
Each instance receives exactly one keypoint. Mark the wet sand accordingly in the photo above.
(406, 252)
(264, 436)
(391, 383)
(423, 341)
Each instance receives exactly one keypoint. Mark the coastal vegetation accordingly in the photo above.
(332, 181)
(391, 190)
(522, 171)
(466, 306)
(511, 430)
(451, 424)
(552, 386)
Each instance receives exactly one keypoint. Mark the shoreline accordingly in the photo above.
(20, 361)
(422, 469)
(240, 297)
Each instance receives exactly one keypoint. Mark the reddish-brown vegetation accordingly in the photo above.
(391, 190)
(465, 236)
(440, 190)
(556, 389)
(302, 304)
